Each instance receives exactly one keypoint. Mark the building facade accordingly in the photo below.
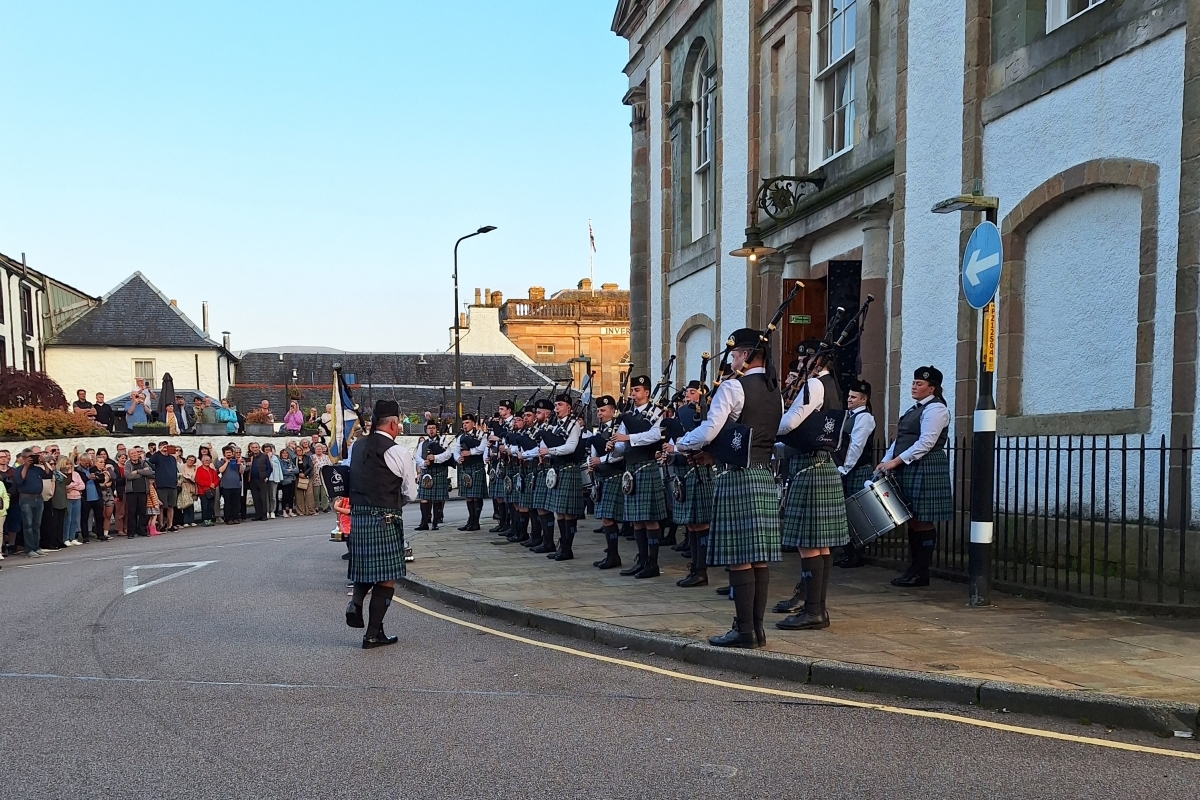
(33, 308)
(831, 128)
(137, 332)
(580, 327)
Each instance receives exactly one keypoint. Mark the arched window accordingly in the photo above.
(703, 177)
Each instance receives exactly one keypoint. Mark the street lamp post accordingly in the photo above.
(458, 331)
(983, 437)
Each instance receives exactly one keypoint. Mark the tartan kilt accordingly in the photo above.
(648, 503)
(541, 494)
(815, 512)
(376, 548)
(696, 508)
(926, 487)
(525, 496)
(496, 488)
(852, 482)
(441, 484)
(479, 488)
(745, 518)
(611, 502)
(567, 495)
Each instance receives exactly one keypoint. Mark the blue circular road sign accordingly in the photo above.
(981, 265)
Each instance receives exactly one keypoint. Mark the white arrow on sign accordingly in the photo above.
(976, 266)
(131, 574)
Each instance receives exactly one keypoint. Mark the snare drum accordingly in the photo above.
(876, 510)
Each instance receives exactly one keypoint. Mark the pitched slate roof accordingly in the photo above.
(134, 314)
(432, 370)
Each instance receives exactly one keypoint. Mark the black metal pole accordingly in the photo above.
(983, 463)
(457, 332)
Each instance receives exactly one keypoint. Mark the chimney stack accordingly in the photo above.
(585, 285)
(537, 293)
(225, 340)
(175, 304)
(478, 297)
(204, 317)
(497, 299)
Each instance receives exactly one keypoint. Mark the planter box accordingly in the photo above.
(210, 429)
(260, 430)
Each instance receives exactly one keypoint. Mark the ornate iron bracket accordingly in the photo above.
(779, 196)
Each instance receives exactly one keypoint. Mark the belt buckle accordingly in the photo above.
(390, 519)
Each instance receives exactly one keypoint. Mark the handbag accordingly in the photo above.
(302, 483)
(210, 494)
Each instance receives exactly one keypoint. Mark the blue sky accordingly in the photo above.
(295, 163)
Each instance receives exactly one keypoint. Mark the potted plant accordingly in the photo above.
(258, 423)
(144, 428)
(210, 428)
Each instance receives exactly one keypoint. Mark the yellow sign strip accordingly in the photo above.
(909, 712)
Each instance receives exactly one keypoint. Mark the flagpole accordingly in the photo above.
(591, 258)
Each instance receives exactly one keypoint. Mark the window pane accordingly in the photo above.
(849, 14)
(822, 48)
(835, 38)
(828, 133)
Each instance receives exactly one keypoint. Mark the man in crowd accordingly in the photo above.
(258, 473)
(104, 413)
(183, 418)
(166, 483)
(12, 522)
(138, 474)
(30, 474)
(82, 406)
(137, 410)
(266, 406)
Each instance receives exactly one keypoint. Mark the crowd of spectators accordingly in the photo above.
(50, 499)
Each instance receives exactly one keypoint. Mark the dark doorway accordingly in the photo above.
(845, 278)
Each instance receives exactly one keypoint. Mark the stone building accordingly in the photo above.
(831, 128)
(578, 327)
(33, 308)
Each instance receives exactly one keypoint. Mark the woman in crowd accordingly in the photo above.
(108, 496)
(228, 415)
(230, 471)
(187, 492)
(120, 513)
(208, 482)
(56, 508)
(73, 487)
(304, 489)
(287, 484)
(320, 496)
(293, 420)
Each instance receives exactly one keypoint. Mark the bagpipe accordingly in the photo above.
(836, 336)
(427, 447)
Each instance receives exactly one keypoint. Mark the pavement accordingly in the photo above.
(123, 676)
(929, 630)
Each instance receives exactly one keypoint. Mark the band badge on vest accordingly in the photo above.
(551, 478)
(627, 482)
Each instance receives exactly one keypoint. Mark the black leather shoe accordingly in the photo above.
(345, 556)
(908, 580)
(792, 604)
(760, 635)
(501, 529)
(517, 538)
(686, 554)
(354, 618)
(598, 530)
(634, 570)
(382, 640)
(564, 555)
(846, 562)
(421, 527)
(545, 547)
(694, 579)
(648, 571)
(531, 543)
(734, 638)
(466, 528)
(608, 562)
(804, 622)
(724, 592)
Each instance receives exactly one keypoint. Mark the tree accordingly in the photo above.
(19, 389)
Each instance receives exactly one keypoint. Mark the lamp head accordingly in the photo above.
(486, 229)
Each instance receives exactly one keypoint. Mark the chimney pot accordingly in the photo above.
(174, 303)
(609, 287)
(477, 297)
(497, 299)
(204, 317)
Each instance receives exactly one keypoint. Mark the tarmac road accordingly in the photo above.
(239, 679)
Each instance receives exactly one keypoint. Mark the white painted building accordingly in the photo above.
(33, 307)
(137, 332)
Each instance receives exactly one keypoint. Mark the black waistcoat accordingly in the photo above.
(909, 429)
(761, 411)
(371, 482)
(820, 430)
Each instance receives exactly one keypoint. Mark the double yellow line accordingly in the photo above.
(908, 712)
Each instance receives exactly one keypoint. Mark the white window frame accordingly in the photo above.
(153, 371)
(842, 59)
(1058, 12)
(703, 171)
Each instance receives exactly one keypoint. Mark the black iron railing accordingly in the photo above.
(1105, 517)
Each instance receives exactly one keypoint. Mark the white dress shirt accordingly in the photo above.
(572, 443)
(802, 410)
(934, 420)
(862, 425)
(457, 452)
(727, 402)
(400, 462)
(650, 437)
(444, 456)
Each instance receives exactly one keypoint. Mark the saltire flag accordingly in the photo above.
(586, 396)
(591, 236)
(345, 417)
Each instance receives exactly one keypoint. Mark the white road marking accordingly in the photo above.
(131, 574)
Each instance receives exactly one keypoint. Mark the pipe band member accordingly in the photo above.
(434, 458)
(565, 499)
(382, 480)
(539, 466)
(638, 440)
(744, 528)
(695, 510)
(814, 517)
(607, 468)
(470, 450)
(919, 455)
(856, 453)
(503, 510)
